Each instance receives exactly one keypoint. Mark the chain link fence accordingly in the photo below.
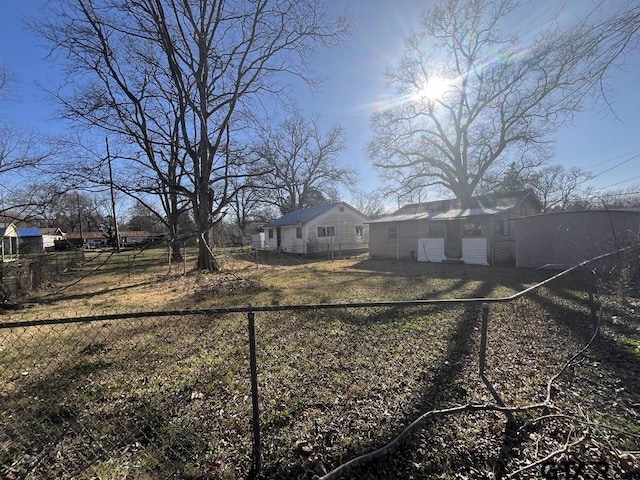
(172, 394)
(29, 273)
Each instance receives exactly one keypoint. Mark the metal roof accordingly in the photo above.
(30, 232)
(453, 208)
(302, 216)
(38, 231)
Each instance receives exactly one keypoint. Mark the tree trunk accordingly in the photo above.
(176, 254)
(206, 260)
(174, 229)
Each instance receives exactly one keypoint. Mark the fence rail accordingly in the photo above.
(23, 455)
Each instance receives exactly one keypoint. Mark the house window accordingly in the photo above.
(298, 232)
(327, 231)
(501, 227)
(393, 233)
(270, 233)
(472, 228)
(436, 229)
(359, 232)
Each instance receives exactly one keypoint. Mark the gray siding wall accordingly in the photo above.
(568, 238)
(380, 246)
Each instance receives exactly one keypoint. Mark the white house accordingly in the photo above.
(336, 227)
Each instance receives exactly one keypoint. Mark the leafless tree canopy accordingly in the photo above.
(372, 204)
(298, 164)
(178, 79)
(557, 187)
(21, 153)
(492, 96)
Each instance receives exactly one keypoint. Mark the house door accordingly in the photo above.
(453, 240)
(279, 237)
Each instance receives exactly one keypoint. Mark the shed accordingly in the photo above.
(39, 240)
(479, 231)
(335, 227)
(562, 239)
(9, 248)
(258, 240)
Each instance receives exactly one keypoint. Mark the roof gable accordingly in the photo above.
(8, 230)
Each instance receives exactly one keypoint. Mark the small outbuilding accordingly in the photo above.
(335, 227)
(479, 231)
(258, 241)
(39, 240)
(567, 238)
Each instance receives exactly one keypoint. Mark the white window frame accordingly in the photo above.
(326, 230)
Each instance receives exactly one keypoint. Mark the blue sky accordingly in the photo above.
(353, 83)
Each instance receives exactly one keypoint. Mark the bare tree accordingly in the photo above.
(555, 186)
(178, 76)
(299, 165)
(621, 198)
(139, 217)
(558, 187)
(23, 155)
(249, 209)
(71, 211)
(471, 95)
(370, 203)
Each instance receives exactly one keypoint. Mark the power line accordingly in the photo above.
(623, 181)
(616, 166)
(613, 158)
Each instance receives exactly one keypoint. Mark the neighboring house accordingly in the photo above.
(563, 239)
(88, 239)
(9, 248)
(129, 238)
(102, 239)
(480, 232)
(39, 240)
(336, 227)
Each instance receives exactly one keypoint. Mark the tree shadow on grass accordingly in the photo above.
(572, 316)
(444, 388)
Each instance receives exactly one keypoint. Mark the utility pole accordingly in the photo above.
(80, 220)
(113, 197)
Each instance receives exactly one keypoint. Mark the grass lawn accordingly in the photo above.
(169, 397)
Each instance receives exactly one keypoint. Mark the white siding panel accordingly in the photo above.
(474, 250)
(431, 249)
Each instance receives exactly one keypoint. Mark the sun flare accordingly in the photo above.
(433, 89)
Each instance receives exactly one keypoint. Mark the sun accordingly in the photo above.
(433, 89)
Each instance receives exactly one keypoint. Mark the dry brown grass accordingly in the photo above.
(169, 397)
(129, 281)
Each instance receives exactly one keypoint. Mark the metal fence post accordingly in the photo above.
(483, 336)
(256, 464)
